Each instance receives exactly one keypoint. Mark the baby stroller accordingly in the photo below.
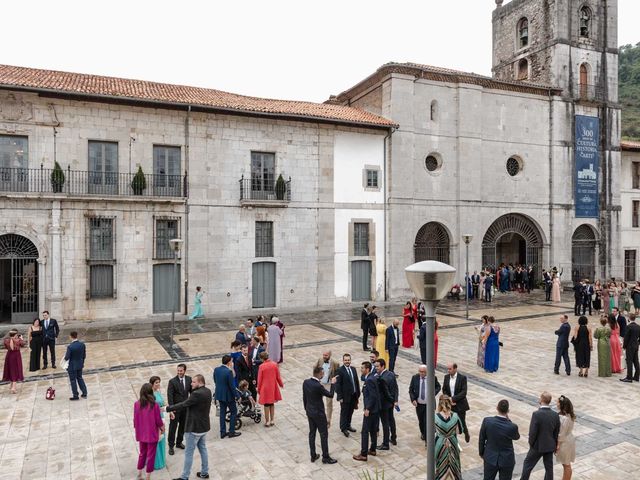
(244, 410)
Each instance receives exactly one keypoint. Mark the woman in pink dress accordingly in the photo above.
(616, 349)
(13, 360)
(407, 326)
(269, 385)
(148, 425)
(555, 289)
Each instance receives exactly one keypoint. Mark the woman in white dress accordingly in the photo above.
(555, 288)
(566, 452)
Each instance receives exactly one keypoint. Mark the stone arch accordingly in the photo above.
(433, 242)
(19, 279)
(522, 32)
(522, 72)
(585, 17)
(583, 253)
(513, 238)
(31, 235)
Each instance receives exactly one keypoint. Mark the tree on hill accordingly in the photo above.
(629, 90)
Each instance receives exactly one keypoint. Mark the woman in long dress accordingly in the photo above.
(381, 340)
(161, 449)
(274, 347)
(492, 346)
(603, 334)
(269, 385)
(623, 298)
(277, 322)
(613, 296)
(373, 331)
(566, 451)
(636, 297)
(614, 345)
(605, 298)
(555, 288)
(197, 304)
(35, 345)
(481, 331)
(13, 360)
(447, 454)
(597, 300)
(582, 340)
(408, 324)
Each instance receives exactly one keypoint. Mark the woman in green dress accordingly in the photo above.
(161, 450)
(602, 334)
(447, 452)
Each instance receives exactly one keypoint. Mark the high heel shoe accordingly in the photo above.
(580, 374)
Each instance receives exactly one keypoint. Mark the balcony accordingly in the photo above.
(78, 183)
(259, 193)
(590, 93)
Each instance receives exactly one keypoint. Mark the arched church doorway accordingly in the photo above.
(514, 239)
(18, 279)
(583, 254)
(432, 243)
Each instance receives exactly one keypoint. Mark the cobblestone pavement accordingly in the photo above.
(95, 439)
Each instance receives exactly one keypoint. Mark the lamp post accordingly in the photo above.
(430, 281)
(467, 237)
(176, 244)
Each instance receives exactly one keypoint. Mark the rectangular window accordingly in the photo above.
(263, 168)
(630, 265)
(103, 167)
(101, 258)
(635, 174)
(166, 229)
(372, 178)
(361, 239)
(635, 219)
(167, 180)
(14, 161)
(264, 239)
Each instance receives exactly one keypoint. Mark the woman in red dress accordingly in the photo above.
(614, 344)
(269, 385)
(407, 326)
(13, 360)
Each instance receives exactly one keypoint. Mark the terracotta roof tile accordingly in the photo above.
(139, 90)
(630, 145)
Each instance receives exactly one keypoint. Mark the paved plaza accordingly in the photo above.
(94, 438)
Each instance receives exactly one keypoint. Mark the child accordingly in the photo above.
(245, 394)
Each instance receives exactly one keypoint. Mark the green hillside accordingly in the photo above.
(629, 76)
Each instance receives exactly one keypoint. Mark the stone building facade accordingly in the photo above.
(630, 214)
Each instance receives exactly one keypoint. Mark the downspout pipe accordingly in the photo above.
(387, 230)
(186, 209)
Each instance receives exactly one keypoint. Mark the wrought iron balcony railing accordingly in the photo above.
(253, 190)
(75, 182)
(591, 93)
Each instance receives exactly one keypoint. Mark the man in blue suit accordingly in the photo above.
(562, 346)
(50, 332)
(75, 355)
(496, 444)
(226, 394)
(392, 344)
(371, 403)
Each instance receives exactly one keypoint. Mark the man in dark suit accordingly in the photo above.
(622, 322)
(418, 391)
(422, 340)
(392, 343)
(630, 345)
(547, 285)
(347, 390)
(370, 419)
(475, 282)
(198, 407)
(226, 394)
(578, 297)
(76, 353)
(364, 326)
(244, 370)
(586, 298)
(543, 438)
(496, 444)
(241, 335)
(178, 391)
(388, 390)
(454, 386)
(50, 332)
(312, 394)
(255, 349)
(562, 345)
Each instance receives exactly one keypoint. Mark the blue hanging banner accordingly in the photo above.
(587, 166)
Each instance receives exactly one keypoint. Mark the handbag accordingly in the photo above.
(64, 364)
(51, 393)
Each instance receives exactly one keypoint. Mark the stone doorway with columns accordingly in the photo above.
(19, 288)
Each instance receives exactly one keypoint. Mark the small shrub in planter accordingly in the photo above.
(57, 178)
(139, 182)
(281, 188)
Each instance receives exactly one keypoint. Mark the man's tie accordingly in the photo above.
(182, 384)
(46, 325)
(423, 394)
(353, 385)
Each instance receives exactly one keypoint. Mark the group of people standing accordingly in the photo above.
(604, 298)
(488, 356)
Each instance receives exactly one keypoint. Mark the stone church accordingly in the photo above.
(285, 204)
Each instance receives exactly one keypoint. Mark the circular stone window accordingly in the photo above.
(431, 163)
(514, 166)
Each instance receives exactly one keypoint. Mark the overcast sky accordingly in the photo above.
(293, 49)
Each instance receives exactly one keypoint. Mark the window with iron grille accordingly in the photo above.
(103, 167)
(630, 265)
(372, 178)
(635, 175)
(264, 239)
(361, 239)
(635, 219)
(101, 258)
(166, 229)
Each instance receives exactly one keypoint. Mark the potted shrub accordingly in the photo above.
(281, 188)
(139, 182)
(57, 178)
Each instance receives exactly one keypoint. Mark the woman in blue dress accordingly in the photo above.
(197, 305)
(492, 346)
(161, 449)
(236, 355)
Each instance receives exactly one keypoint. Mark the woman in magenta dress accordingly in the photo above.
(13, 360)
(407, 326)
(148, 425)
(616, 349)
